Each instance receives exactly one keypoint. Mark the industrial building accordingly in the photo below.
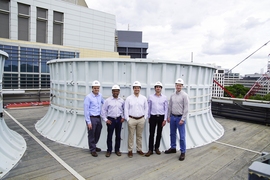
(35, 31)
(130, 44)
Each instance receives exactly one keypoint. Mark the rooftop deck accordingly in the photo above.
(228, 158)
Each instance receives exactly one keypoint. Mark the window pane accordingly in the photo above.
(4, 5)
(41, 31)
(23, 9)
(4, 19)
(57, 34)
(58, 16)
(23, 28)
(42, 13)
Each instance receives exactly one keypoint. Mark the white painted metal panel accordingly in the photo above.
(71, 81)
(12, 145)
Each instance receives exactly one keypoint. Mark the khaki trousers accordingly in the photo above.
(138, 126)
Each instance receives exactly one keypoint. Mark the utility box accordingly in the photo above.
(260, 168)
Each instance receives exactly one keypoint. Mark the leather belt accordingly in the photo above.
(113, 117)
(177, 115)
(157, 115)
(94, 116)
(136, 117)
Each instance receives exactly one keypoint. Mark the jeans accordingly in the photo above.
(174, 125)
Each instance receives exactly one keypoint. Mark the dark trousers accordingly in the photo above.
(153, 122)
(94, 133)
(117, 126)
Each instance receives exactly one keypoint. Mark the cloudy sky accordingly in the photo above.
(220, 32)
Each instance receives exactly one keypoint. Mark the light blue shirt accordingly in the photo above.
(92, 106)
(113, 107)
(158, 105)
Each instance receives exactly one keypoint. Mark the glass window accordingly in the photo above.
(41, 25)
(29, 81)
(4, 18)
(45, 81)
(10, 81)
(23, 22)
(58, 27)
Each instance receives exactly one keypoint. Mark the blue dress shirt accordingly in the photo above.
(92, 106)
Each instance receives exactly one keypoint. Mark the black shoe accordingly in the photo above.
(94, 154)
(182, 157)
(169, 151)
(108, 154)
(98, 149)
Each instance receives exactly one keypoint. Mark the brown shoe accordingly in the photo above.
(108, 154)
(169, 151)
(149, 153)
(94, 154)
(140, 153)
(118, 153)
(98, 149)
(158, 152)
(130, 155)
(182, 157)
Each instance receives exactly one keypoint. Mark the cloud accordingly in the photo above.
(219, 32)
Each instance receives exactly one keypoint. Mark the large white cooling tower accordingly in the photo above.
(12, 145)
(71, 81)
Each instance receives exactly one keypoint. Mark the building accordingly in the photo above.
(231, 78)
(33, 32)
(217, 91)
(130, 44)
(250, 79)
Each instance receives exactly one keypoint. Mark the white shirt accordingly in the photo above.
(136, 106)
(113, 107)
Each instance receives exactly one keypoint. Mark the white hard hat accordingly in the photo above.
(158, 84)
(95, 83)
(115, 87)
(136, 83)
(179, 81)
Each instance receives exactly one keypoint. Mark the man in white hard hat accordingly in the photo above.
(177, 115)
(92, 111)
(157, 114)
(113, 115)
(136, 110)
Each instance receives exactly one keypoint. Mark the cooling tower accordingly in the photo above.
(12, 145)
(71, 81)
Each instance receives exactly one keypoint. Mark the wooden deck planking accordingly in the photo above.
(213, 161)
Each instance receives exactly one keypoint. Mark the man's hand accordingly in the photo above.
(89, 126)
(181, 122)
(109, 122)
(164, 123)
(122, 120)
(168, 120)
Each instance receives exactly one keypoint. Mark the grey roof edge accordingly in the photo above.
(138, 60)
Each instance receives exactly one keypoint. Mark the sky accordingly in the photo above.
(219, 32)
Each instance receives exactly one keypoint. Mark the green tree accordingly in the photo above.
(238, 90)
(266, 97)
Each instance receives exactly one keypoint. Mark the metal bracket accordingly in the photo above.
(263, 158)
(1, 114)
